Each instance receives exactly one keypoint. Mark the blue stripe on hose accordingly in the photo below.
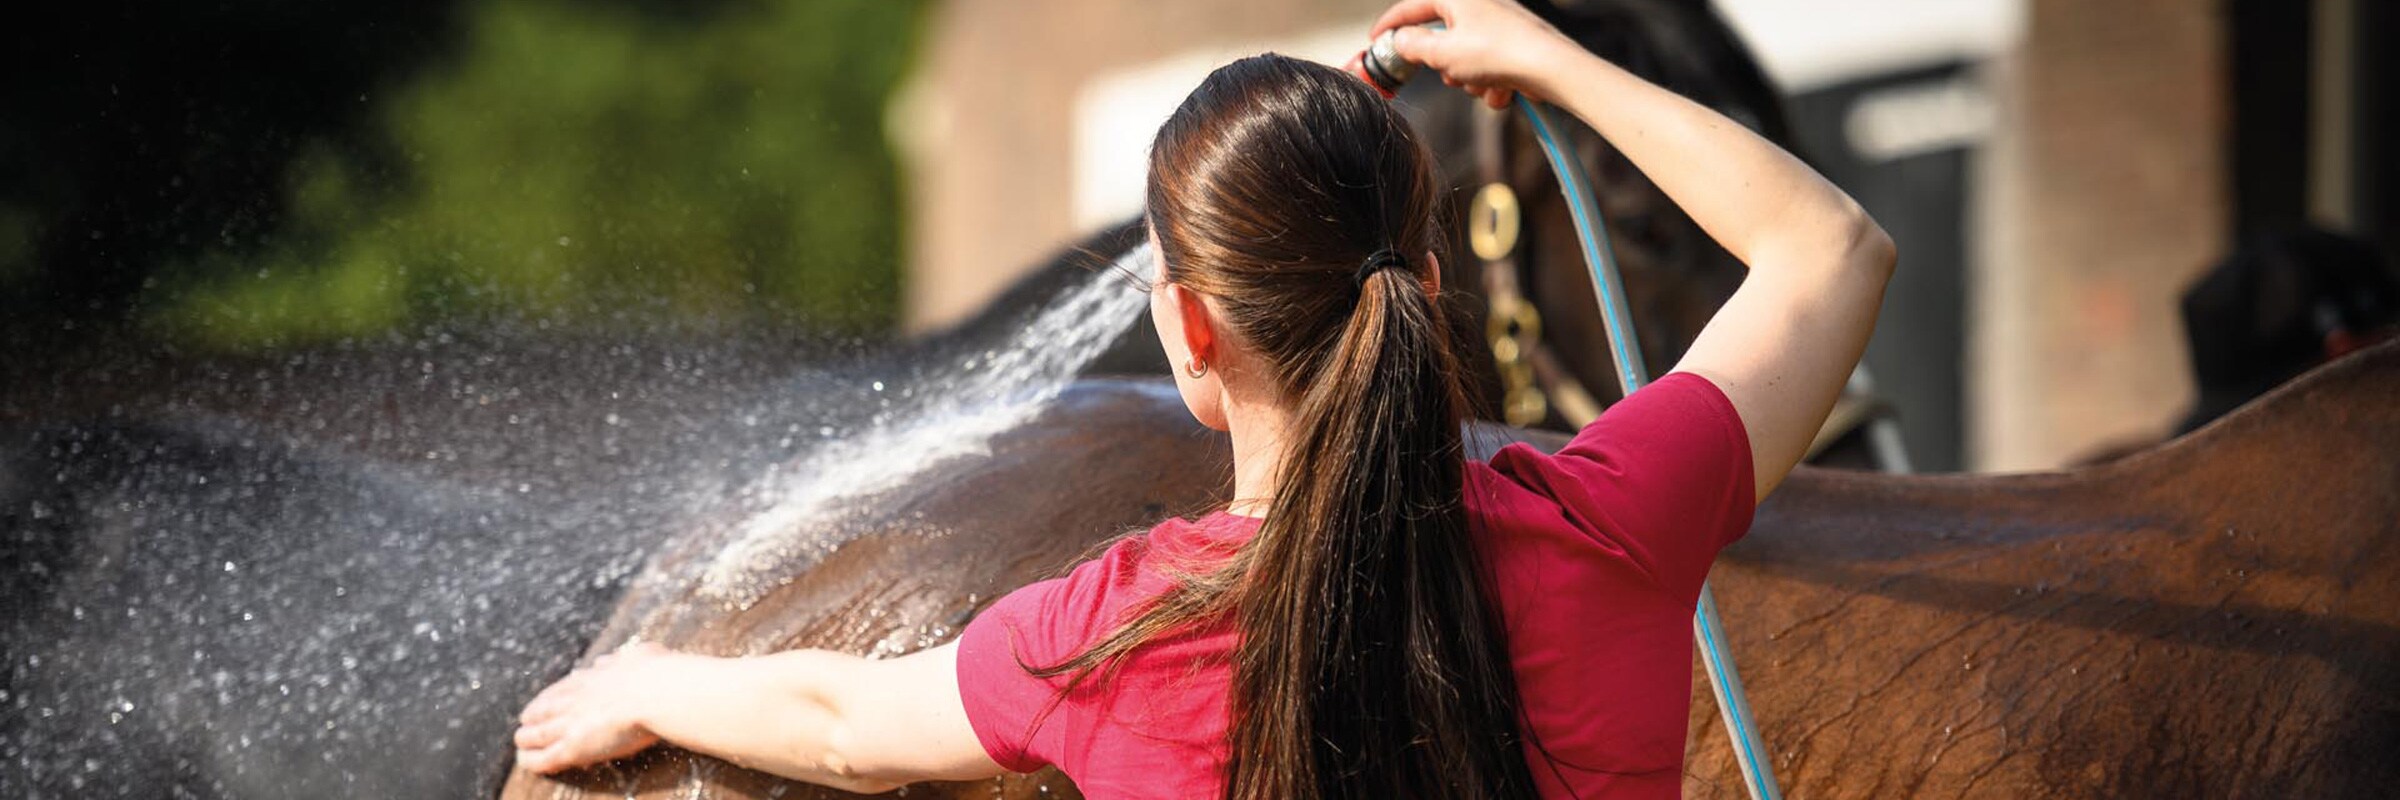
(1762, 779)
(1595, 243)
(1591, 233)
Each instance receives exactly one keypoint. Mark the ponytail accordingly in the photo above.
(1370, 663)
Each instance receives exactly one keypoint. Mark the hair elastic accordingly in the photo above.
(1380, 260)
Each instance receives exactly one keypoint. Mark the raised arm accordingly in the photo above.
(827, 718)
(1784, 344)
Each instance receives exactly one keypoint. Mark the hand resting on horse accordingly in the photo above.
(827, 718)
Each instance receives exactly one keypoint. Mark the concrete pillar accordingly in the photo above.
(986, 127)
(2101, 196)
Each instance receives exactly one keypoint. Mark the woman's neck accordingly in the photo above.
(1259, 431)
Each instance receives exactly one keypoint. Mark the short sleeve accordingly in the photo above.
(1021, 719)
(1663, 476)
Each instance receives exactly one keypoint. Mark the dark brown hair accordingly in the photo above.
(1371, 660)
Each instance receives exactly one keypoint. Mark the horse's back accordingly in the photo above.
(2217, 615)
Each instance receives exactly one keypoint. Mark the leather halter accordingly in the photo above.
(1533, 379)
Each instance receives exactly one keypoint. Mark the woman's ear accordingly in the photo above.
(1199, 330)
(1433, 274)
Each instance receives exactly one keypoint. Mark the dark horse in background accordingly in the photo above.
(1675, 275)
(339, 573)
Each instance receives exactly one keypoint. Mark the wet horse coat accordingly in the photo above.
(2217, 616)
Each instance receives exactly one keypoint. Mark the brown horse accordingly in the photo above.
(2218, 616)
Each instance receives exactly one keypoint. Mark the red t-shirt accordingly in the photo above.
(1598, 553)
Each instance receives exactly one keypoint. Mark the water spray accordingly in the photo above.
(1382, 67)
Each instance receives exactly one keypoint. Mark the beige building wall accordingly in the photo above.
(987, 126)
(2101, 196)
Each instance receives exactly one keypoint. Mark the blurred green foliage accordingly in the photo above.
(584, 163)
(17, 229)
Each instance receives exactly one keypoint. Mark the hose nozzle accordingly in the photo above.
(1383, 68)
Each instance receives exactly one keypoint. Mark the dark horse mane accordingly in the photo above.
(1683, 45)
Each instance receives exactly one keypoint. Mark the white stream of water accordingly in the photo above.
(281, 600)
(962, 405)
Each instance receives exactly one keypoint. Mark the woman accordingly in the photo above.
(1371, 615)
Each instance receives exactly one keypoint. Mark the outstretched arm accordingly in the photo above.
(827, 718)
(1784, 344)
